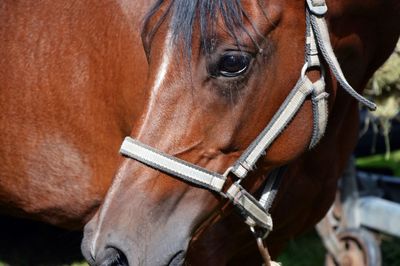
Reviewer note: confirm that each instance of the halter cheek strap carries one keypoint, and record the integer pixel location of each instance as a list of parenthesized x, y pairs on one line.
[(256, 212)]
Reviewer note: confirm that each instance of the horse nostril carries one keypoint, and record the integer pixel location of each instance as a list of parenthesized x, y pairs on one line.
[(178, 259), (112, 257)]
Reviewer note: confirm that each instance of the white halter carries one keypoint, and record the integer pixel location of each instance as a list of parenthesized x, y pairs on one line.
[(256, 212)]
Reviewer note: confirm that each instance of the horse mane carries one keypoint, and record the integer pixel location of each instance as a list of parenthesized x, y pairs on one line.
[(183, 15)]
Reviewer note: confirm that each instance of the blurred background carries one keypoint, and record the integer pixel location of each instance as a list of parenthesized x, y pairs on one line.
[(374, 171)]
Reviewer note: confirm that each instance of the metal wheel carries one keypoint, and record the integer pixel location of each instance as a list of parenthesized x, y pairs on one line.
[(360, 249)]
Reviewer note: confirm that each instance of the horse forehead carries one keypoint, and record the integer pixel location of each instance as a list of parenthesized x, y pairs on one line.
[(259, 19)]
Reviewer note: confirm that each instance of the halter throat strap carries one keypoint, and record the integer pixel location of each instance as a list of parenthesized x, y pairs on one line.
[(256, 212)]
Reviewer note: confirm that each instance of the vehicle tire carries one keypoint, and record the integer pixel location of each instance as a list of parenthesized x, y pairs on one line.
[(361, 249)]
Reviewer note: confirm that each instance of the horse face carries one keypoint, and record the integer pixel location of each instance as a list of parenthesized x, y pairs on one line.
[(210, 95)]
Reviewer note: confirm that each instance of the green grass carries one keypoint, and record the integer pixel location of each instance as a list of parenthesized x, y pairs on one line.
[(306, 250), (390, 251), (82, 263), (378, 161)]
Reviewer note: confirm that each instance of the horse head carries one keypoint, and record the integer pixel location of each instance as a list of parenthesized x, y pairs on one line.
[(219, 72)]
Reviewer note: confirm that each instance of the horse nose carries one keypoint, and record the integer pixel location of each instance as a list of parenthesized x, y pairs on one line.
[(111, 256)]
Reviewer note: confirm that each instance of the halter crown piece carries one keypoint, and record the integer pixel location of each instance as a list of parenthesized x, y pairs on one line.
[(256, 212)]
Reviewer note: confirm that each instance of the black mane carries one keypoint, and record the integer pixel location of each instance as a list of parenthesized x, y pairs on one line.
[(183, 15)]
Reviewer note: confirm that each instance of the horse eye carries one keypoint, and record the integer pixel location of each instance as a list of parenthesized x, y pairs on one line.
[(233, 64)]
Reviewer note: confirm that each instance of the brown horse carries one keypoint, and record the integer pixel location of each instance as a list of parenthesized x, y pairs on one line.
[(218, 72), (69, 73), (73, 85)]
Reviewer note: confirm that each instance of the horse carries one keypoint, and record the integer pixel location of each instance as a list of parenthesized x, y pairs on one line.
[(199, 82), (67, 71), (219, 72)]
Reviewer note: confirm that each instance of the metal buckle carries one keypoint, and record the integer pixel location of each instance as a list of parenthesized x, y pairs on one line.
[(227, 171), (225, 187), (317, 7)]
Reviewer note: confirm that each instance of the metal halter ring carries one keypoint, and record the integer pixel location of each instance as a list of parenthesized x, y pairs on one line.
[(305, 68)]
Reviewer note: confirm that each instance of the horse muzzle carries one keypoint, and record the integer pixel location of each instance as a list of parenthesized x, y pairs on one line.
[(112, 256), (116, 250)]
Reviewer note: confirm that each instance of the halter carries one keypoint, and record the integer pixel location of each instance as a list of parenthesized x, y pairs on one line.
[(256, 212)]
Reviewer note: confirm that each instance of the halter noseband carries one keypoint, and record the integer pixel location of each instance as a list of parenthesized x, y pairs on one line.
[(256, 212)]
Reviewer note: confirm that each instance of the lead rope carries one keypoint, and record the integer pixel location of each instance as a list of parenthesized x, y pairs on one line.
[(262, 248)]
